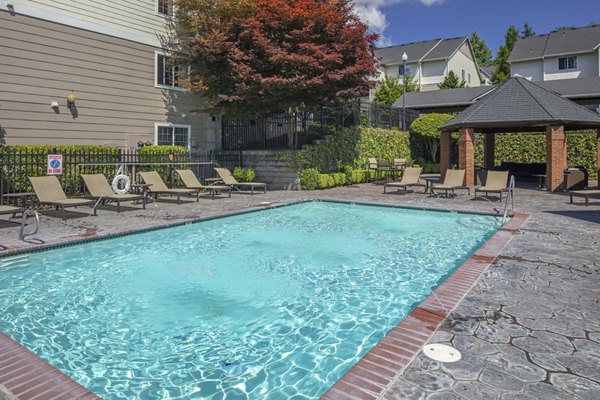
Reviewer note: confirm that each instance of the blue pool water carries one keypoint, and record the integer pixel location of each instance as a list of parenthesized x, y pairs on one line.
[(271, 304)]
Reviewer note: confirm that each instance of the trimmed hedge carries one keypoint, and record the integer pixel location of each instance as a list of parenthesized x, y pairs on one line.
[(21, 161), (311, 179), (531, 148), (351, 147), (162, 154)]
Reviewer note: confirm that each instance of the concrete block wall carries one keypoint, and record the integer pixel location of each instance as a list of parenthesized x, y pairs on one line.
[(271, 169)]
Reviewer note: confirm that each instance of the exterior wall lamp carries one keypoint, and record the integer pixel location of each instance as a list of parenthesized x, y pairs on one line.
[(71, 99)]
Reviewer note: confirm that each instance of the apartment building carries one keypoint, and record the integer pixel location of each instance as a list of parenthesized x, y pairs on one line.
[(95, 72), (430, 61)]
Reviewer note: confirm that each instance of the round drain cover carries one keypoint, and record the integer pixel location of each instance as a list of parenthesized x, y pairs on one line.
[(441, 352)]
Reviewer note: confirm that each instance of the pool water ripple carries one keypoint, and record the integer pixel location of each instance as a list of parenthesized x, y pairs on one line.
[(273, 304)]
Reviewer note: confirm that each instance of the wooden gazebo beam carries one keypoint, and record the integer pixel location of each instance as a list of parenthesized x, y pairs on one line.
[(466, 155)]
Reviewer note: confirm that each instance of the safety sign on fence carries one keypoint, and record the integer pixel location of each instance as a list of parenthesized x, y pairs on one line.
[(55, 164)]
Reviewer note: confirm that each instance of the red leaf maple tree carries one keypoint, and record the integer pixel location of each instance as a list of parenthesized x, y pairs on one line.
[(271, 55)]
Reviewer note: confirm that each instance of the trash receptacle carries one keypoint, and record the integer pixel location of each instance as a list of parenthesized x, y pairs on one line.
[(576, 178)]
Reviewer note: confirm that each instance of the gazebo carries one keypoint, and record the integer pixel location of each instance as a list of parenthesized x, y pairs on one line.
[(518, 105)]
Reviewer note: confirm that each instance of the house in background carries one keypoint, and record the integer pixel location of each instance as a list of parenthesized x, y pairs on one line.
[(111, 55), (429, 62), (562, 54)]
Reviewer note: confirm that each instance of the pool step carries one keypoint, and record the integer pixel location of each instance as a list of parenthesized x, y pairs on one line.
[(20, 260)]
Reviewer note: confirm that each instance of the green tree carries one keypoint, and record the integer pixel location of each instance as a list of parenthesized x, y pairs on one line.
[(389, 91), (483, 54), (427, 127), (502, 71), (410, 85), (527, 31), (452, 81)]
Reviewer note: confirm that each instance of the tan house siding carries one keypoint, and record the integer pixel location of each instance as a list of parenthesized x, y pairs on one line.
[(113, 79), (139, 18), (533, 70)]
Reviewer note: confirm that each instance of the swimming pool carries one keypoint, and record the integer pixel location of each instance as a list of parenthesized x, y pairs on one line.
[(272, 304)]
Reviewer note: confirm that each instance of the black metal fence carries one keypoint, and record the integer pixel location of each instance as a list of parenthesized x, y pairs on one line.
[(16, 165), (291, 130)]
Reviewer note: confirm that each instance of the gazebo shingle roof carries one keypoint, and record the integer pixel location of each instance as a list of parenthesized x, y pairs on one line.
[(521, 105)]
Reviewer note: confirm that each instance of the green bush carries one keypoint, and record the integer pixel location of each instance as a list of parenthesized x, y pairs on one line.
[(326, 181), (21, 161), (244, 174), (309, 179), (425, 129), (352, 146), (525, 147)]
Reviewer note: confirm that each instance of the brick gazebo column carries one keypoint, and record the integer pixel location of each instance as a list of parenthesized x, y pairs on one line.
[(444, 152), (466, 155), (489, 150), (556, 157)]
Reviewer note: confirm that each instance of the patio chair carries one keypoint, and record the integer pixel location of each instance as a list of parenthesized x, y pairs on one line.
[(191, 182), (410, 178), (495, 182), (99, 188), (384, 170), (48, 191), (10, 210), (156, 186), (228, 179), (372, 166), (453, 180), (584, 193)]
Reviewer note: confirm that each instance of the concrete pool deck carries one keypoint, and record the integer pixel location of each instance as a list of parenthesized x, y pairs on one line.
[(528, 329)]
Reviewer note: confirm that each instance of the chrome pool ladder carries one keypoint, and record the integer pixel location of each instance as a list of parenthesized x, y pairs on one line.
[(510, 195), (26, 214)]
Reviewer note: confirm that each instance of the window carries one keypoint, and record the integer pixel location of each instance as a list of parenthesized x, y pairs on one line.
[(469, 76), (173, 135), (463, 74), (401, 70), (165, 7), (567, 63), (169, 74)]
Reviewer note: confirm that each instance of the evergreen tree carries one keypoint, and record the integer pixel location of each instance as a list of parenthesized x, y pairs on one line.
[(452, 81), (391, 89), (527, 31), (502, 71), (483, 54)]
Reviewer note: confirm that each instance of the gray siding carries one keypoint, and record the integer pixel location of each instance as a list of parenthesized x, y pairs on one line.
[(117, 103)]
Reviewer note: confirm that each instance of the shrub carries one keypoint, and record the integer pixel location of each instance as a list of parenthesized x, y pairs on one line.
[(309, 179), (326, 181), (426, 127), (244, 174), (21, 161)]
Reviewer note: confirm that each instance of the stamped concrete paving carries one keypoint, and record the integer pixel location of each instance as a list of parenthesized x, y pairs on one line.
[(530, 329)]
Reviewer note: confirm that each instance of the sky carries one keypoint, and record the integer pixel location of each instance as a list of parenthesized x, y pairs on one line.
[(406, 21)]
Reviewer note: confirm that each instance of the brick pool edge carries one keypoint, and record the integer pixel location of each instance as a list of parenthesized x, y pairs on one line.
[(372, 375)]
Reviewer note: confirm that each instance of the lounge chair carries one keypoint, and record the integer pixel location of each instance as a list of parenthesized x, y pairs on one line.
[(453, 180), (191, 182), (410, 178), (157, 186), (48, 191), (495, 182), (10, 210), (99, 188), (584, 193), (228, 179)]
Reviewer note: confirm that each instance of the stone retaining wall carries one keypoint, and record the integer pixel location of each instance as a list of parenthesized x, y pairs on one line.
[(270, 168)]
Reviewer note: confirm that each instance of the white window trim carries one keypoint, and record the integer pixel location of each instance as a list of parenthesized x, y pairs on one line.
[(169, 125), (156, 85), (158, 13)]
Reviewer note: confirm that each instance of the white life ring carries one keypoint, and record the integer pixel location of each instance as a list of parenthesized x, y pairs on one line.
[(121, 179)]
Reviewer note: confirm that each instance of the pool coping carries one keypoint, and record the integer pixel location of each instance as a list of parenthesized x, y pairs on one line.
[(373, 375), (369, 378)]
